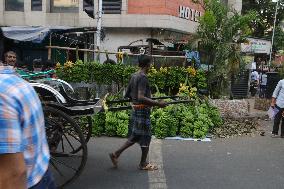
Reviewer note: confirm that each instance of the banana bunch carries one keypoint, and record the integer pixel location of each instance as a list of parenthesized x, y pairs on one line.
[(104, 104), (166, 125), (119, 56), (68, 64), (191, 71)]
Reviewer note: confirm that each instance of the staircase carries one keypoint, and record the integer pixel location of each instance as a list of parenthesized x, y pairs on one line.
[(240, 85)]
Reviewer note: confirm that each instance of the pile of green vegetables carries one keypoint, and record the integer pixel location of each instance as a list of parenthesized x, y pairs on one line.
[(185, 120)]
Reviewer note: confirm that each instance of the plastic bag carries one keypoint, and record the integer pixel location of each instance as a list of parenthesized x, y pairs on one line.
[(272, 112)]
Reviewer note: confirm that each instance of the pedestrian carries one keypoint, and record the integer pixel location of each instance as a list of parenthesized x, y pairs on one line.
[(138, 91), (277, 103), (255, 76), (254, 84), (24, 153), (263, 82)]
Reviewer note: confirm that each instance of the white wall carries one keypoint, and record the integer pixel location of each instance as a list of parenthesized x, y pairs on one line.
[(1, 11), (122, 37)]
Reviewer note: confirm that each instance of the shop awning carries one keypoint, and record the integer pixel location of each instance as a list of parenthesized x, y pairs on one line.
[(30, 33)]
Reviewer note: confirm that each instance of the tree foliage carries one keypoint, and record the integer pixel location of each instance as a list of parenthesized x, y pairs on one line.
[(279, 39), (219, 32), (266, 12)]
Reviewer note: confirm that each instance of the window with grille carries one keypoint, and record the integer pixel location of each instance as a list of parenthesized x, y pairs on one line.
[(112, 6), (36, 5), (14, 5)]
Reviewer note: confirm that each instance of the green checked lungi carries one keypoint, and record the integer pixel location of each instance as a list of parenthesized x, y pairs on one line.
[(140, 127)]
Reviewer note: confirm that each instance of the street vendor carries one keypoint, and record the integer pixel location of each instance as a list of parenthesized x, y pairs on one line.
[(138, 91), (10, 58)]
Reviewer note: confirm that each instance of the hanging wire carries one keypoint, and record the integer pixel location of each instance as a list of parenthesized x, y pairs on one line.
[(73, 40)]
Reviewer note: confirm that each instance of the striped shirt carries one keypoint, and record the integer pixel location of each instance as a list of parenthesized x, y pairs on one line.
[(22, 124)]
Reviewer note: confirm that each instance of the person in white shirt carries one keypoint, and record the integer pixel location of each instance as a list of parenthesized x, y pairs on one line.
[(278, 102), (254, 83), (263, 83), (255, 76)]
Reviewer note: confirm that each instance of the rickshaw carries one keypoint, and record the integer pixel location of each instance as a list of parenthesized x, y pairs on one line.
[(67, 134)]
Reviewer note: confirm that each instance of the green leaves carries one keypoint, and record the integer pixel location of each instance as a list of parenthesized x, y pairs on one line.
[(208, 21), (265, 10), (200, 80), (98, 121), (185, 120), (111, 123), (167, 79), (186, 124), (165, 125), (116, 123), (95, 72), (279, 39), (220, 31)]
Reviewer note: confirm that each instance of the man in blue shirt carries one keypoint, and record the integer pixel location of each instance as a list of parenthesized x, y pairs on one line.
[(24, 153)]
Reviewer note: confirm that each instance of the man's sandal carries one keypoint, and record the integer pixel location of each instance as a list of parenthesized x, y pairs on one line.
[(148, 167), (113, 159)]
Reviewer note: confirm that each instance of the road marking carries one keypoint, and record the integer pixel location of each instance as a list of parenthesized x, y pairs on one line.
[(157, 179)]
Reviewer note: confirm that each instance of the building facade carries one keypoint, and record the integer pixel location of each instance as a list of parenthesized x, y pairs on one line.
[(124, 21)]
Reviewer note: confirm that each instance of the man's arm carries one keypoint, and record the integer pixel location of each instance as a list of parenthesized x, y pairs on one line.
[(12, 171)]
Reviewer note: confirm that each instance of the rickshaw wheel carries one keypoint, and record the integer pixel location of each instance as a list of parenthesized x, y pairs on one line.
[(67, 146)]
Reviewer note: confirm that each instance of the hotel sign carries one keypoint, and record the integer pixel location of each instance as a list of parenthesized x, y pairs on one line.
[(189, 14)]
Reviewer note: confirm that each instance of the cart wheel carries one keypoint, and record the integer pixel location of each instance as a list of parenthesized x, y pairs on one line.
[(64, 137)]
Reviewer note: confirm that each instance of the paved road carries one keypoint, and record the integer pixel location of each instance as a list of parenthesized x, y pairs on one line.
[(237, 163)]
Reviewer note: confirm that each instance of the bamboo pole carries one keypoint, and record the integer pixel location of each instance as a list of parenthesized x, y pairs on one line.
[(49, 49), (98, 51)]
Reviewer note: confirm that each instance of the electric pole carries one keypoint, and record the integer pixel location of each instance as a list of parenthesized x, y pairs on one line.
[(273, 33), (99, 29)]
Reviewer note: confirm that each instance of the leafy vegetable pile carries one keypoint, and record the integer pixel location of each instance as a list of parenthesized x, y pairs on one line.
[(184, 120)]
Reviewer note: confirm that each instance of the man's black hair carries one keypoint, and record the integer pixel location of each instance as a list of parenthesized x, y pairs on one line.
[(10, 52), (144, 61)]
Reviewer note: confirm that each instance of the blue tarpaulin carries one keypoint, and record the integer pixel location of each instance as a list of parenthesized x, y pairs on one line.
[(29, 33), (193, 55)]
